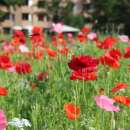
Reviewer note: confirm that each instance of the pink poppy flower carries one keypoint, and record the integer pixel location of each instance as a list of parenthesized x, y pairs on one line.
[(70, 35), (12, 69), (57, 27), (124, 38), (8, 47), (3, 121), (106, 103), (92, 36)]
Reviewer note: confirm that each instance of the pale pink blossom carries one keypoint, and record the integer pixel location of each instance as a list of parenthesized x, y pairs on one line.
[(12, 69), (8, 47), (57, 27), (3, 121), (124, 38), (106, 103), (70, 35), (92, 36)]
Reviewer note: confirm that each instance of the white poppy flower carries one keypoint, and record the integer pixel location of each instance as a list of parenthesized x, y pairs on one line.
[(19, 123), (23, 49)]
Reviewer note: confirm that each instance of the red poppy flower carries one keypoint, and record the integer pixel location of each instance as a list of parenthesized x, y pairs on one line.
[(23, 68), (72, 111), (111, 59), (81, 37), (19, 35), (127, 52), (115, 53), (118, 87), (37, 35), (3, 91), (83, 75), (108, 43), (42, 75), (123, 100), (108, 60), (85, 30), (51, 52), (5, 62), (83, 62)]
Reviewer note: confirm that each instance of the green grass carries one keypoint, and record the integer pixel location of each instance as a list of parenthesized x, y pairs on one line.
[(44, 108)]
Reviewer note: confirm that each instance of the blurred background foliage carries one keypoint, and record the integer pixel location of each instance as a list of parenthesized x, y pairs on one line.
[(102, 14)]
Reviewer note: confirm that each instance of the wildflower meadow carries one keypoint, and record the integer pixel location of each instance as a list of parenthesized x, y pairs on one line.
[(64, 81)]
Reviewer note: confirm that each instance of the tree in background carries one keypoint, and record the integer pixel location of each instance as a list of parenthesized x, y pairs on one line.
[(112, 12)]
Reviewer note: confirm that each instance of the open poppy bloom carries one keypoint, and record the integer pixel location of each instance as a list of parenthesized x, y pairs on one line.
[(118, 87), (3, 91), (19, 35), (5, 62), (83, 62), (23, 68), (37, 35), (108, 43), (84, 68), (111, 58), (3, 121), (72, 111), (85, 30), (122, 99), (106, 103)]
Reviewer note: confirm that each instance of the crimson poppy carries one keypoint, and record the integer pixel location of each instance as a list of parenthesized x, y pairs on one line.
[(18, 34), (83, 62), (111, 58), (23, 68), (5, 62), (107, 43)]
